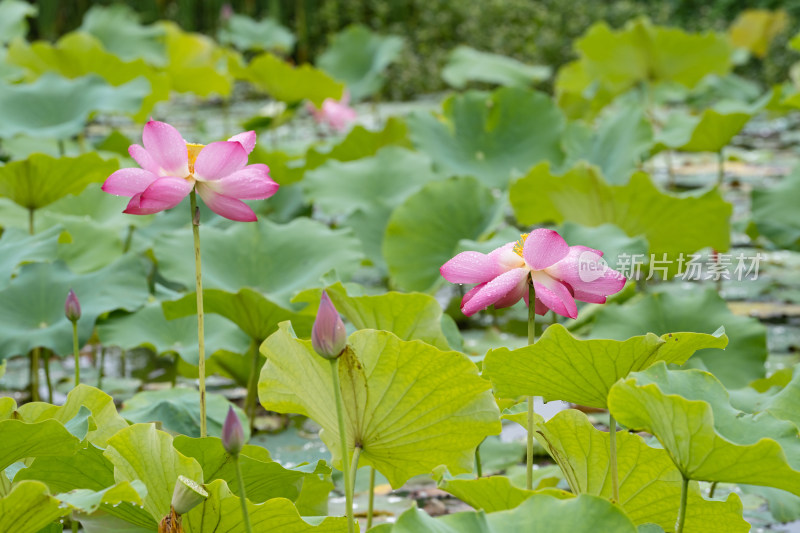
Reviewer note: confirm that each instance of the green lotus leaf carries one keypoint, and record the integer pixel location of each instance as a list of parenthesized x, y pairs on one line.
[(465, 64), (401, 435), (178, 410), (22, 439), (671, 224), (279, 259), (142, 452), (775, 212), (13, 19), (88, 501), (32, 306), (697, 310), (41, 180), (290, 84), (246, 34), (606, 237), (577, 92), (410, 316), (118, 28), (196, 64), (359, 58), (650, 485), (560, 367), (79, 54), (707, 439), (222, 513), (491, 136), (28, 508), (148, 327), (86, 468), (755, 29), (490, 494), (81, 424), (18, 247), (255, 314), (424, 231), (53, 106), (541, 513), (620, 142)]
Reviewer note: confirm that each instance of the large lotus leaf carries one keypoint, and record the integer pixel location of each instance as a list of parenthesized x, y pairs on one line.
[(672, 224), (410, 316), (707, 439), (255, 314), (117, 27), (541, 513), (465, 64), (560, 367), (755, 29), (196, 64), (104, 413), (490, 493), (178, 410), (775, 212), (276, 259), (290, 84), (246, 34), (621, 141), (142, 452), (491, 136), (41, 180), (13, 19), (424, 231), (22, 439), (222, 513), (79, 54), (695, 310), (32, 306), (650, 485), (88, 501), (148, 327), (401, 409), (58, 107), (28, 508), (17, 246), (577, 93), (358, 57)]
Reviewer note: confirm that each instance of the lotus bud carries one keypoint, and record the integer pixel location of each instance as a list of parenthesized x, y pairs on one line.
[(328, 336), (187, 495), (232, 433), (72, 307)]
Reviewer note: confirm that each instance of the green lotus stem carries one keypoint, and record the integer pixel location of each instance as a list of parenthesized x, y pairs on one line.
[(122, 365), (34, 372), (46, 364), (252, 384), (30, 221), (371, 505), (242, 495), (712, 489), (348, 488), (354, 470), (682, 509), (76, 352), (75, 526), (102, 367), (478, 465), (612, 456), (128, 239), (531, 341), (201, 349), (720, 168)]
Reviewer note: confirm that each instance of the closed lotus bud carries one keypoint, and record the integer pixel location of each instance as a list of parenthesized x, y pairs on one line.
[(72, 307), (232, 433), (328, 336), (187, 495)]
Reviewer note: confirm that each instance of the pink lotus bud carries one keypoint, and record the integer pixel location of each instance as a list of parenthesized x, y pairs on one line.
[(72, 307), (328, 336), (232, 433), (226, 12)]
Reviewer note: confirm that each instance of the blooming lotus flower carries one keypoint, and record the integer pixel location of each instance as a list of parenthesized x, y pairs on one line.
[(336, 114), (172, 168), (560, 274), (328, 335)]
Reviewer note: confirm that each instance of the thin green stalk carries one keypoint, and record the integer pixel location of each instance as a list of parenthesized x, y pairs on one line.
[(354, 470), (77, 352), (128, 239), (34, 371), (711, 490), (75, 526), (720, 168), (682, 509), (531, 340), (200, 325), (46, 362), (371, 505), (348, 488), (612, 454), (31, 230), (242, 495), (252, 383), (478, 465), (175, 362), (123, 367), (102, 368)]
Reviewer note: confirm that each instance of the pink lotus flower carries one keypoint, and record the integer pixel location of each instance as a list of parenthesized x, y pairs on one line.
[(560, 273), (336, 114), (172, 168)]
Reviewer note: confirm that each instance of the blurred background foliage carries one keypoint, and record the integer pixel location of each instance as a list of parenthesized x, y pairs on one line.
[(533, 31)]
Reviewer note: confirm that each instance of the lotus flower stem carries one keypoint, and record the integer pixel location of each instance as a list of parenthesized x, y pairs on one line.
[(478, 465), (682, 509), (34, 372), (371, 496), (531, 340), (348, 488), (612, 457), (77, 352), (31, 229), (201, 349), (252, 384), (242, 495)]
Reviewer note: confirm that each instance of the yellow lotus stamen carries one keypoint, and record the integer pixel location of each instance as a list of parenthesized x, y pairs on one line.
[(520, 244), (194, 150)]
